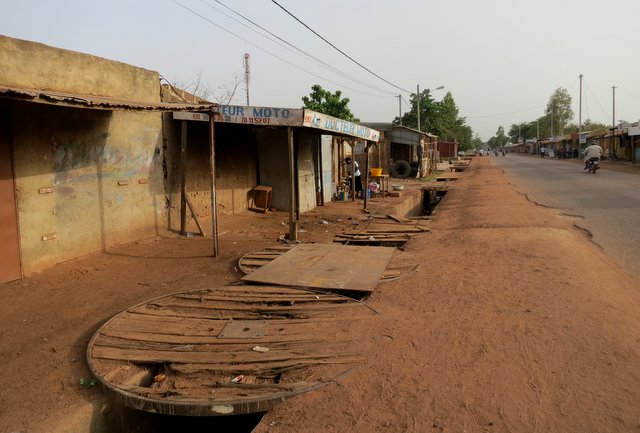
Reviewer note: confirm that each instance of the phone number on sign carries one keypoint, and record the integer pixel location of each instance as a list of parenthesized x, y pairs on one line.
[(257, 120)]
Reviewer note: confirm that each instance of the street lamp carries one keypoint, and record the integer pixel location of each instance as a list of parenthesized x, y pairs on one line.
[(418, 101)]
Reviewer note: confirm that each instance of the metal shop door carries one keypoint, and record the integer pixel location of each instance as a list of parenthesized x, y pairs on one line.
[(9, 242)]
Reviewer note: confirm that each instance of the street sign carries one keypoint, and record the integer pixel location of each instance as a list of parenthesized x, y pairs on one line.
[(186, 115)]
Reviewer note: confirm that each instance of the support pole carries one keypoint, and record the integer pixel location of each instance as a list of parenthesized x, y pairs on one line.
[(365, 191), (580, 121), (214, 205), (353, 173), (293, 229), (418, 104), (183, 177)]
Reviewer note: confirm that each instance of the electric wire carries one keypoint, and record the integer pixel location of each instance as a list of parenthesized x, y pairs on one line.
[(597, 99), (338, 49), (268, 52), (287, 45)]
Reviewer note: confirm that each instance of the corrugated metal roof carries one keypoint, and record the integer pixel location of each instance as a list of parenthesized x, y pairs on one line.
[(96, 102)]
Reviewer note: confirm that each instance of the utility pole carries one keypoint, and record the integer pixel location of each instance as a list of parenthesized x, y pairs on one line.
[(613, 125), (580, 120), (400, 108), (418, 104), (520, 133)]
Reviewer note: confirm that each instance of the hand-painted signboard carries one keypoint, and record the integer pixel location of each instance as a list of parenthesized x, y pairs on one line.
[(317, 120), (186, 115), (259, 115)]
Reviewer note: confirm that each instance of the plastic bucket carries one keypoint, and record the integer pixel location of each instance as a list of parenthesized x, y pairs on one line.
[(375, 172), (344, 195)]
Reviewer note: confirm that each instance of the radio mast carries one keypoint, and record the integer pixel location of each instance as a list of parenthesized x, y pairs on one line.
[(247, 75)]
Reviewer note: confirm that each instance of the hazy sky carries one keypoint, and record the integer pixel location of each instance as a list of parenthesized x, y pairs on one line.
[(500, 59)]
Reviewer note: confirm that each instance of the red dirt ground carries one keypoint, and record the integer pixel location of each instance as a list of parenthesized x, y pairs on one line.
[(514, 322)]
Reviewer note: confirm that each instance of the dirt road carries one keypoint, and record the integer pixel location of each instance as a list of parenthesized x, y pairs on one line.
[(514, 322)]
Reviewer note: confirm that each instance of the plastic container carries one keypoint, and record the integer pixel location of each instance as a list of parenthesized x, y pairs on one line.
[(375, 172), (344, 195)]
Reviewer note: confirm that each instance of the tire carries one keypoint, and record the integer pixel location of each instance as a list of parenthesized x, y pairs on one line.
[(401, 169)]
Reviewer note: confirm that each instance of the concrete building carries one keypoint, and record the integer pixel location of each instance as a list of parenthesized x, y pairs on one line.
[(82, 150), (96, 153)]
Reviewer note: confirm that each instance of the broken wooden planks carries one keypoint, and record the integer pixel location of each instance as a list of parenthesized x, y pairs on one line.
[(224, 351), (257, 259)]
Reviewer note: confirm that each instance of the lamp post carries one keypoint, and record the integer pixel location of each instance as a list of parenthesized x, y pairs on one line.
[(418, 101)]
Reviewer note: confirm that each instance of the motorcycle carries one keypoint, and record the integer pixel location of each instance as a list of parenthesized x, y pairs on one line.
[(594, 165)]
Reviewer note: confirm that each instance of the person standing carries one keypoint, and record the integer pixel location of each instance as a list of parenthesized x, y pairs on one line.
[(356, 179)]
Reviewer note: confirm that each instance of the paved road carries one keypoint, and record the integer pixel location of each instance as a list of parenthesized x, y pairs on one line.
[(607, 204)]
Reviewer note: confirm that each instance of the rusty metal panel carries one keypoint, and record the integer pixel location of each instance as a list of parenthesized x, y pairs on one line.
[(9, 242), (326, 266), (96, 102)]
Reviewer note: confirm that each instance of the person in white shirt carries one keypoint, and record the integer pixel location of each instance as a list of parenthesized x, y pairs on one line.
[(356, 174), (592, 151)]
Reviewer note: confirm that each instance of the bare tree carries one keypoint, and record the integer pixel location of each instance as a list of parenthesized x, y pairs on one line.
[(223, 94)]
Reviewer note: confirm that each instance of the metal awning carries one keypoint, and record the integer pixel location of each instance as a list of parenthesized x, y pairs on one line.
[(78, 100)]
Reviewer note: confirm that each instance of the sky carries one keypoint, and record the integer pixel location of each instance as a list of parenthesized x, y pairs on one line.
[(500, 59)]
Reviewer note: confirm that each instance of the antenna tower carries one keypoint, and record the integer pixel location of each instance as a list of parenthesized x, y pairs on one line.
[(247, 75)]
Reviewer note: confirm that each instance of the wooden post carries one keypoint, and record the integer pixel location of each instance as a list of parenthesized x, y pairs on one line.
[(366, 174), (320, 167), (293, 229), (183, 178), (214, 205), (353, 191)]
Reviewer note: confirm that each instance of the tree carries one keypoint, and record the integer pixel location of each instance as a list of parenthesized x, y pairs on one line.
[(223, 95), (477, 142), (438, 118), (521, 132), (587, 125), (428, 113), (559, 110), (498, 140), (323, 101)]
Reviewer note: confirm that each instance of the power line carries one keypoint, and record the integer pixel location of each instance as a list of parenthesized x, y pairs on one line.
[(290, 46), (339, 50), (268, 52)]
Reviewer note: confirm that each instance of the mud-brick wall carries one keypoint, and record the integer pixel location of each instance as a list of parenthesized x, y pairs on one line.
[(236, 173), (85, 179), (273, 164), (33, 65)]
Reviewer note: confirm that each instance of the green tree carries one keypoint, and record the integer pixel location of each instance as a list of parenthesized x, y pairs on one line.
[(559, 111), (428, 113), (333, 104), (521, 132), (477, 142), (587, 125), (498, 140), (439, 118)]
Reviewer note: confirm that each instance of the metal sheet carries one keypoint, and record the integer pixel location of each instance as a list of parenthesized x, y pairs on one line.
[(267, 116), (96, 102), (313, 119), (330, 266), (244, 329)]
